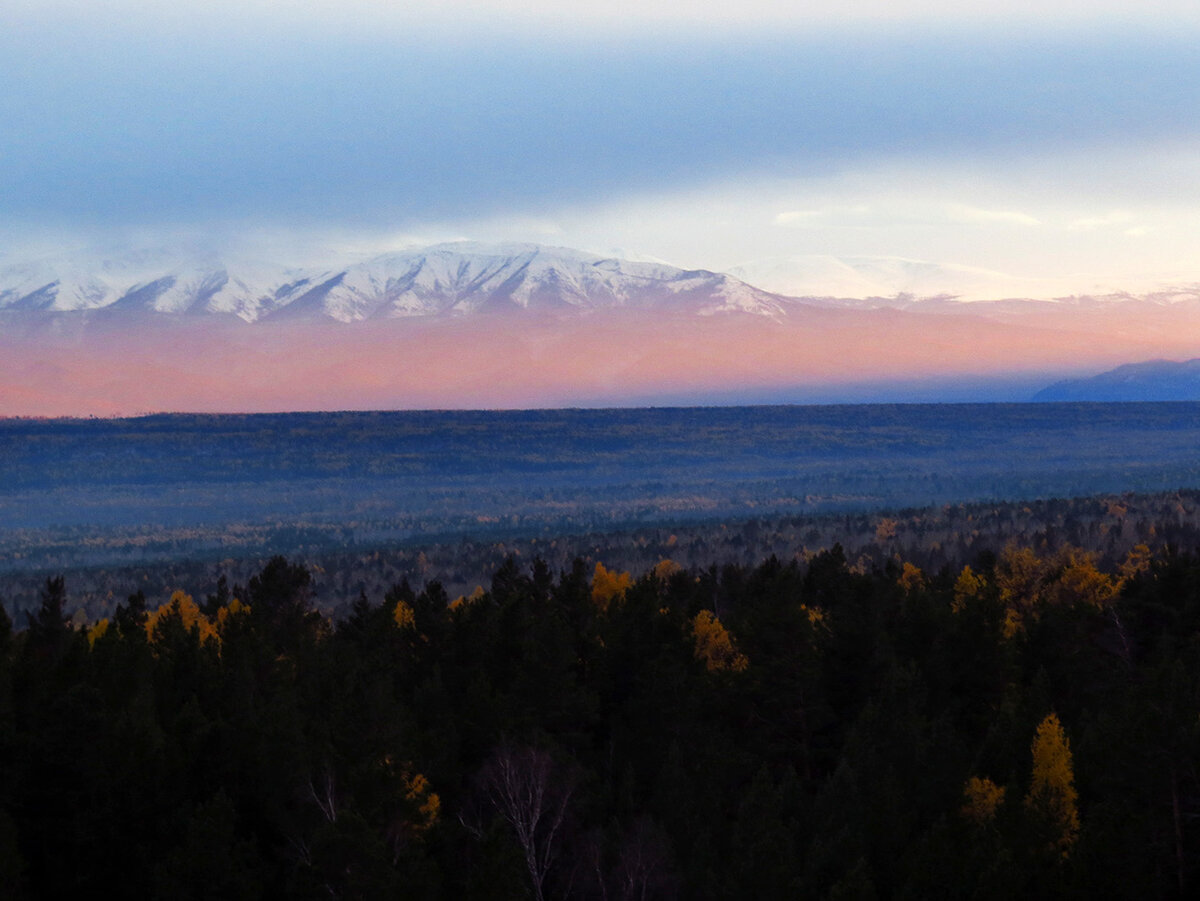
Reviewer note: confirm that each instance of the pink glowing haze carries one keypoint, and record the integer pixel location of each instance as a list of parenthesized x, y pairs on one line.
[(868, 150), (606, 358)]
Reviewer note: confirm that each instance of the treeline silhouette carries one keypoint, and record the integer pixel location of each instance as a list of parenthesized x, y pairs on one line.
[(1025, 725), (930, 537)]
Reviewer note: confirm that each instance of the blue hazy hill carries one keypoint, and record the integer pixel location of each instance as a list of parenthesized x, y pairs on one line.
[(1156, 380)]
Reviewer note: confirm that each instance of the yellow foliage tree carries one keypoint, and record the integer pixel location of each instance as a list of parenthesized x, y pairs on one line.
[(715, 646), (608, 584), (816, 615), (1052, 794), (230, 610), (1068, 578), (404, 616), (429, 805), (981, 799), (463, 599), (1138, 561), (966, 587), (189, 613), (911, 578), (97, 631), (665, 568), (1079, 581), (1018, 576), (192, 617)]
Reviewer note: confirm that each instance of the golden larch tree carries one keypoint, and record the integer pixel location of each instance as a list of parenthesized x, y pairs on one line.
[(966, 587), (1052, 796), (403, 616), (981, 799), (189, 613), (608, 584), (911, 578), (714, 644)]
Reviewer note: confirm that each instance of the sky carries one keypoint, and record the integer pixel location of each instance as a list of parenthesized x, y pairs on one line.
[(1039, 139)]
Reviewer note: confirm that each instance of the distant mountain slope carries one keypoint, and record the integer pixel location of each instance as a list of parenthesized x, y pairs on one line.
[(443, 280), (1157, 380), (873, 277), (897, 281)]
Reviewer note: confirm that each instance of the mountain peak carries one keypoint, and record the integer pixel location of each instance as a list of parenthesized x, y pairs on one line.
[(456, 278)]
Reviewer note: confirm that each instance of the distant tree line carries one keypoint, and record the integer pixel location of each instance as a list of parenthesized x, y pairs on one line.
[(931, 537)]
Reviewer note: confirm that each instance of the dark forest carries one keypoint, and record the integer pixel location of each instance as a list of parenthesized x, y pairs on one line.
[(1022, 724)]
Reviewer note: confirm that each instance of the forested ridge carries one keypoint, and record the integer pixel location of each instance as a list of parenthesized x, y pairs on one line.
[(1023, 725)]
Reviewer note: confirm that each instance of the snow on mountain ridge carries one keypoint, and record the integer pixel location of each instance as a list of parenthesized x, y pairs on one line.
[(462, 278), (445, 279)]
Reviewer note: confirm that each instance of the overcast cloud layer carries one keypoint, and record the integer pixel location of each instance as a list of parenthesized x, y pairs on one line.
[(909, 129)]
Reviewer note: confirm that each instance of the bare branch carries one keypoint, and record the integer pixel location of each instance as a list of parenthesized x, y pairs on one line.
[(529, 792), (326, 798)]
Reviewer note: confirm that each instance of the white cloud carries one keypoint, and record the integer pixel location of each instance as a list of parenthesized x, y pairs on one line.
[(910, 208), (978, 216), (798, 217), (1077, 215), (833, 215), (1107, 220), (1056, 202)]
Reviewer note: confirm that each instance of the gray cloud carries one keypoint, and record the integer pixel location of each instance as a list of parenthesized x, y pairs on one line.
[(141, 128)]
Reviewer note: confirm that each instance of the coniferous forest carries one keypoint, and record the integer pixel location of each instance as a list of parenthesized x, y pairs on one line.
[(1024, 724), (644, 450)]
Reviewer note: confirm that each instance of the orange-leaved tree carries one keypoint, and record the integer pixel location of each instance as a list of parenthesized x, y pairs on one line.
[(715, 646), (608, 584), (981, 799)]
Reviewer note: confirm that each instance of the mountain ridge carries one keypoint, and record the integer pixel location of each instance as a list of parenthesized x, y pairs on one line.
[(439, 280), (1153, 380), (464, 277)]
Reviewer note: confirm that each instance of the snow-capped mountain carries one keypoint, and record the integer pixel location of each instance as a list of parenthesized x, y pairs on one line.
[(462, 278), (484, 326), (443, 280)]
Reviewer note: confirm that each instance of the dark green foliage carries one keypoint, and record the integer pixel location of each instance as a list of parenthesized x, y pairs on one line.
[(130, 618), (48, 631), (294, 756), (212, 861)]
